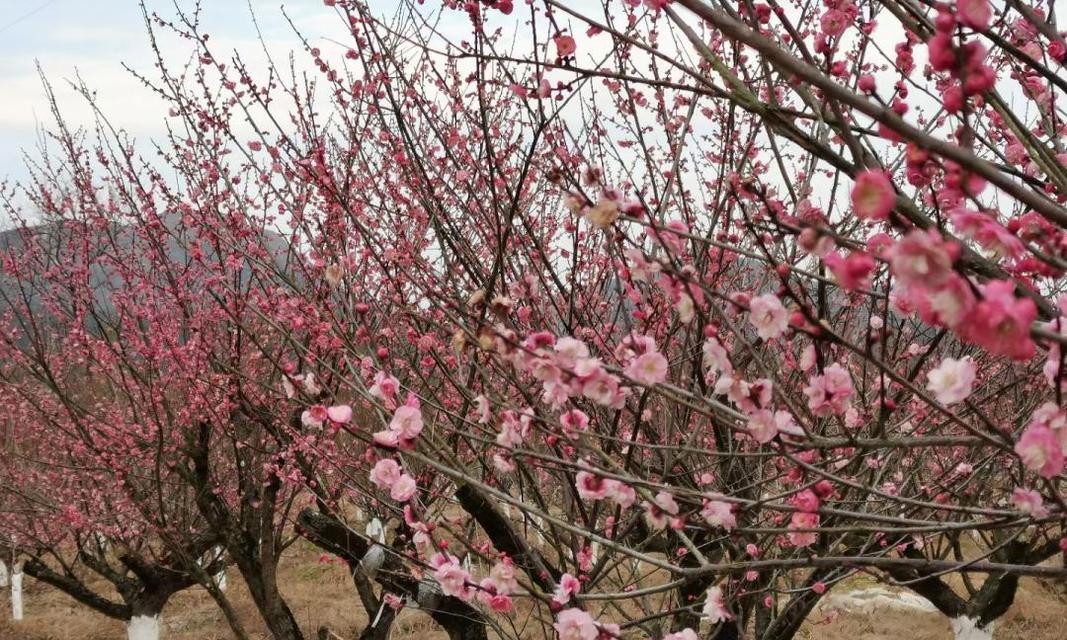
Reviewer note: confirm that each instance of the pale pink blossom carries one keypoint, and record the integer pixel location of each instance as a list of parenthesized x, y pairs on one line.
[(763, 425), (658, 511), (1029, 502), (923, 259), (715, 357), (575, 624), (715, 610), (648, 369), (621, 494), (830, 392), (803, 520), (341, 414), (591, 486), (952, 381), (573, 422), (385, 473), (873, 197), (568, 586), (1040, 450), (403, 489), (481, 404), (385, 388), (719, 514), (974, 13), (406, 422), (451, 576), (503, 577), (768, 316)]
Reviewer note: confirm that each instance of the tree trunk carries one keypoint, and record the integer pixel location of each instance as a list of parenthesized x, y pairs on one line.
[(262, 586), (380, 624), (3, 574), (146, 611), (460, 620)]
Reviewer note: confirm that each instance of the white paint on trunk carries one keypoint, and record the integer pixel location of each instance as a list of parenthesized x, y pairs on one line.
[(220, 577), (373, 560), (143, 628), (16, 594), (376, 530), (378, 617), (3, 574), (964, 628), (539, 525)]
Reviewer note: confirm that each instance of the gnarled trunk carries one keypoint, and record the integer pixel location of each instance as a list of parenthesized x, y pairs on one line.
[(263, 587)]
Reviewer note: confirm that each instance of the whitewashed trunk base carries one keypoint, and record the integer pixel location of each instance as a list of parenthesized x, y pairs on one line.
[(3, 574), (964, 628), (143, 628), (16, 595)]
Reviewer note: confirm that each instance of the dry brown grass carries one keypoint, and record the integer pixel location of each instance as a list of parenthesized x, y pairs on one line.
[(322, 594)]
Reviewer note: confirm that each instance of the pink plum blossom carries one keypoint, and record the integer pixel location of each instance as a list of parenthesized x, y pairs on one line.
[(715, 610), (1029, 502), (648, 369), (830, 392), (873, 197), (952, 380), (575, 624), (1040, 450), (719, 514), (768, 316)]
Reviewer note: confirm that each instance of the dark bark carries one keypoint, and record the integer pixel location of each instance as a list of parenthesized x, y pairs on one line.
[(379, 624), (460, 620), (506, 539), (993, 599), (381, 630), (248, 533), (934, 589), (260, 576), (75, 589), (726, 631)]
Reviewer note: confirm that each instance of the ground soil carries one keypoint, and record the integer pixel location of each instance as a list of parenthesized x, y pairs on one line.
[(321, 594)]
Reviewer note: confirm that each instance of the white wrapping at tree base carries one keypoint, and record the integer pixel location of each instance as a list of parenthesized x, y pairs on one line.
[(964, 628), (376, 531), (16, 592), (220, 577), (143, 628)]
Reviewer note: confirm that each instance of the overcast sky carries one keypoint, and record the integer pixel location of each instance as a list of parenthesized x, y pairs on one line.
[(94, 38)]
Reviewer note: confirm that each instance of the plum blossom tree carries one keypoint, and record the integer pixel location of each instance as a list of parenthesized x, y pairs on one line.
[(650, 319)]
